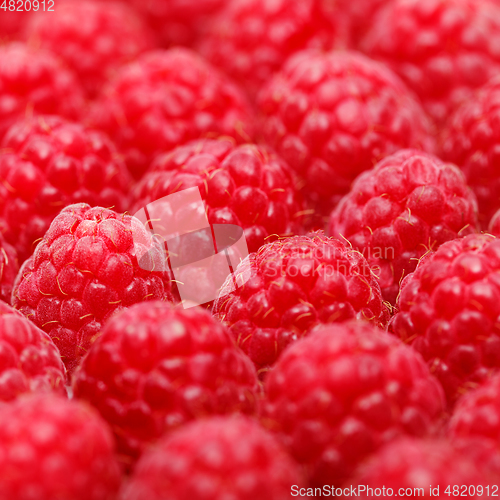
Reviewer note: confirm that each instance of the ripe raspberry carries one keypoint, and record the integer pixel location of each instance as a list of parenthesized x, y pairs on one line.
[(55, 448), (294, 284), (12, 24), (33, 80), (49, 163), (337, 395), (9, 266), (249, 186), (443, 49), (29, 360), (470, 141), (333, 115), (85, 268), (166, 98), (420, 465), (93, 38), (251, 38), (448, 310), (408, 205), (210, 452), (155, 368)]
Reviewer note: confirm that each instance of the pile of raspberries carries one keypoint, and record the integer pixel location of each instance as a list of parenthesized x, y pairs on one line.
[(249, 249)]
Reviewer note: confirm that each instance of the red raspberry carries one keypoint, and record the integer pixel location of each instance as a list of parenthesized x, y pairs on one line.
[(221, 457), (55, 448), (443, 49), (419, 465), (494, 226), (337, 395), (448, 310), (155, 368), (250, 39), (33, 80), (333, 115), (49, 163), (294, 284), (9, 266), (249, 186), (12, 23), (408, 205), (85, 268), (93, 38), (29, 360), (477, 413), (471, 142), (166, 98)]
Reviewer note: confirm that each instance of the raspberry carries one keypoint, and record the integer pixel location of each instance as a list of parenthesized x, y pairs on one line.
[(250, 39), (85, 268), (494, 226), (408, 205), (12, 24), (249, 186), (55, 448), (448, 310), (442, 49), (420, 465), (333, 115), (155, 368), (33, 80), (166, 98), (29, 360), (470, 141), (294, 284), (337, 395), (93, 38), (198, 460), (47, 164), (9, 266)]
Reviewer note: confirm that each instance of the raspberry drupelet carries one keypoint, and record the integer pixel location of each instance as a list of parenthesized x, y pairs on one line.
[(91, 262), (293, 284), (9, 266), (166, 98), (471, 140), (448, 310), (407, 205), (249, 186), (337, 395), (442, 49), (55, 448), (93, 38), (250, 39), (48, 163), (332, 115), (154, 368), (29, 360), (36, 81), (221, 457)]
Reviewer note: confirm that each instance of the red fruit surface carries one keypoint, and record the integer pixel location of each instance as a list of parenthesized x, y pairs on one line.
[(12, 24), (47, 164), (250, 39), (420, 465), (448, 311), (406, 206), (337, 395), (471, 141), (9, 266), (220, 457), (53, 448), (155, 368), (90, 263), (93, 38), (29, 360), (442, 49), (249, 186), (166, 98), (494, 225), (293, 284), (332, 115), (35, 81)]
